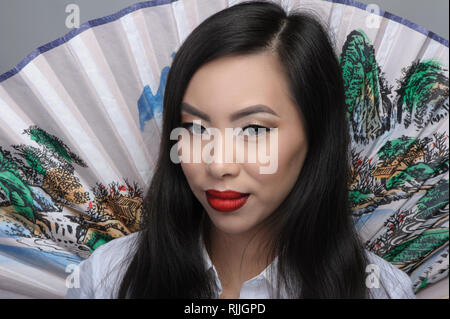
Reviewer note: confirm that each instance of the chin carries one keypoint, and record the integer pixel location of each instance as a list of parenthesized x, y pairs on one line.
[(229, 224)]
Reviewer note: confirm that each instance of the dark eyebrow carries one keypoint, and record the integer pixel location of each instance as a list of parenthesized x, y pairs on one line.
[(192, 110), (258, 108)]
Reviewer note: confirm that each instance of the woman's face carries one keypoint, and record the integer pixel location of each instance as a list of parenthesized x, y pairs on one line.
[(216, 94)]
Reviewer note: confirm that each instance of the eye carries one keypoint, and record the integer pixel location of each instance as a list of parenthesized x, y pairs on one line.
[(195, 128), (254, 130)]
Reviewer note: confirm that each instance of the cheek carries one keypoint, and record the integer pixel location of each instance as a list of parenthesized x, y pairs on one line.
[(193, 173), (291, 155)]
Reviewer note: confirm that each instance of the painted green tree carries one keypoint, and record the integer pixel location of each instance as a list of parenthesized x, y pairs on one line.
[(433, 201), (423, 84), (14, 187)]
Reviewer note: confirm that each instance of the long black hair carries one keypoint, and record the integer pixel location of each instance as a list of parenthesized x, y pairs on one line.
[(319, 252)]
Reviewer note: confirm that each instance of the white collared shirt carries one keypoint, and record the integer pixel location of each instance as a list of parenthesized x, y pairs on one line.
[(100, 275), (258, 287)]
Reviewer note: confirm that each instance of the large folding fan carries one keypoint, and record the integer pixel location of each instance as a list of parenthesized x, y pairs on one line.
[(80, 123)]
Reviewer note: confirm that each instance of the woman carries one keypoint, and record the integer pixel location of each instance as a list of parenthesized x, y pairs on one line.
[(223, 229)]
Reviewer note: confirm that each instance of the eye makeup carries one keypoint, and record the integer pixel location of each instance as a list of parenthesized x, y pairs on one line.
[(253, 129)]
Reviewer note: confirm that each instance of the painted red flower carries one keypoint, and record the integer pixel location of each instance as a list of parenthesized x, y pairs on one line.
[(90, 205), (122, 188)]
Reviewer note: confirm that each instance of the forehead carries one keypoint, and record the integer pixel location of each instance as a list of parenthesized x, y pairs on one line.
[(226, 84)]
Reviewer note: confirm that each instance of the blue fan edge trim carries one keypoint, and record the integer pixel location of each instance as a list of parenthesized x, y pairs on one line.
[(85, 26), (146, 4)]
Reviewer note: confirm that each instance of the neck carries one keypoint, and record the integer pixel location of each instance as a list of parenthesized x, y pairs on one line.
[(238, 257)]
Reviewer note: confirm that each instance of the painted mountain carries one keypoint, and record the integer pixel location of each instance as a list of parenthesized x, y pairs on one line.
[(400, 157)]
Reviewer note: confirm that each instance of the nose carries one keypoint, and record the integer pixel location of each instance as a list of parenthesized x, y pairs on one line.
[(221, 167), (221, 170)]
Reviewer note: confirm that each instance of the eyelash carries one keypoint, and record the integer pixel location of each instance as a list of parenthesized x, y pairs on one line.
[(260, 128)]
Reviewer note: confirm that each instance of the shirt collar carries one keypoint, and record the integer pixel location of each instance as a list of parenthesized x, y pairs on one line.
[(269, 273)]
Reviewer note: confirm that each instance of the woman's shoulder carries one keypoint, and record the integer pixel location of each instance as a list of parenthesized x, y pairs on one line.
[(384, 280), (100, 274)]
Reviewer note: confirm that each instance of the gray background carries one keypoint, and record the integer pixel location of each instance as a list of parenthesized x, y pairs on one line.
[(27, 24)]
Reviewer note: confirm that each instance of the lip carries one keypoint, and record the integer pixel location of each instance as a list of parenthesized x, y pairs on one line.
[(226, 201)]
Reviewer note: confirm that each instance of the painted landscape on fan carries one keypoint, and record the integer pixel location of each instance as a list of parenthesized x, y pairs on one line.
[(53, 216), (399, 190)]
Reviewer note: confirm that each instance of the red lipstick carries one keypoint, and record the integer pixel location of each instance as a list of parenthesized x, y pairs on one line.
[(226, 201)]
